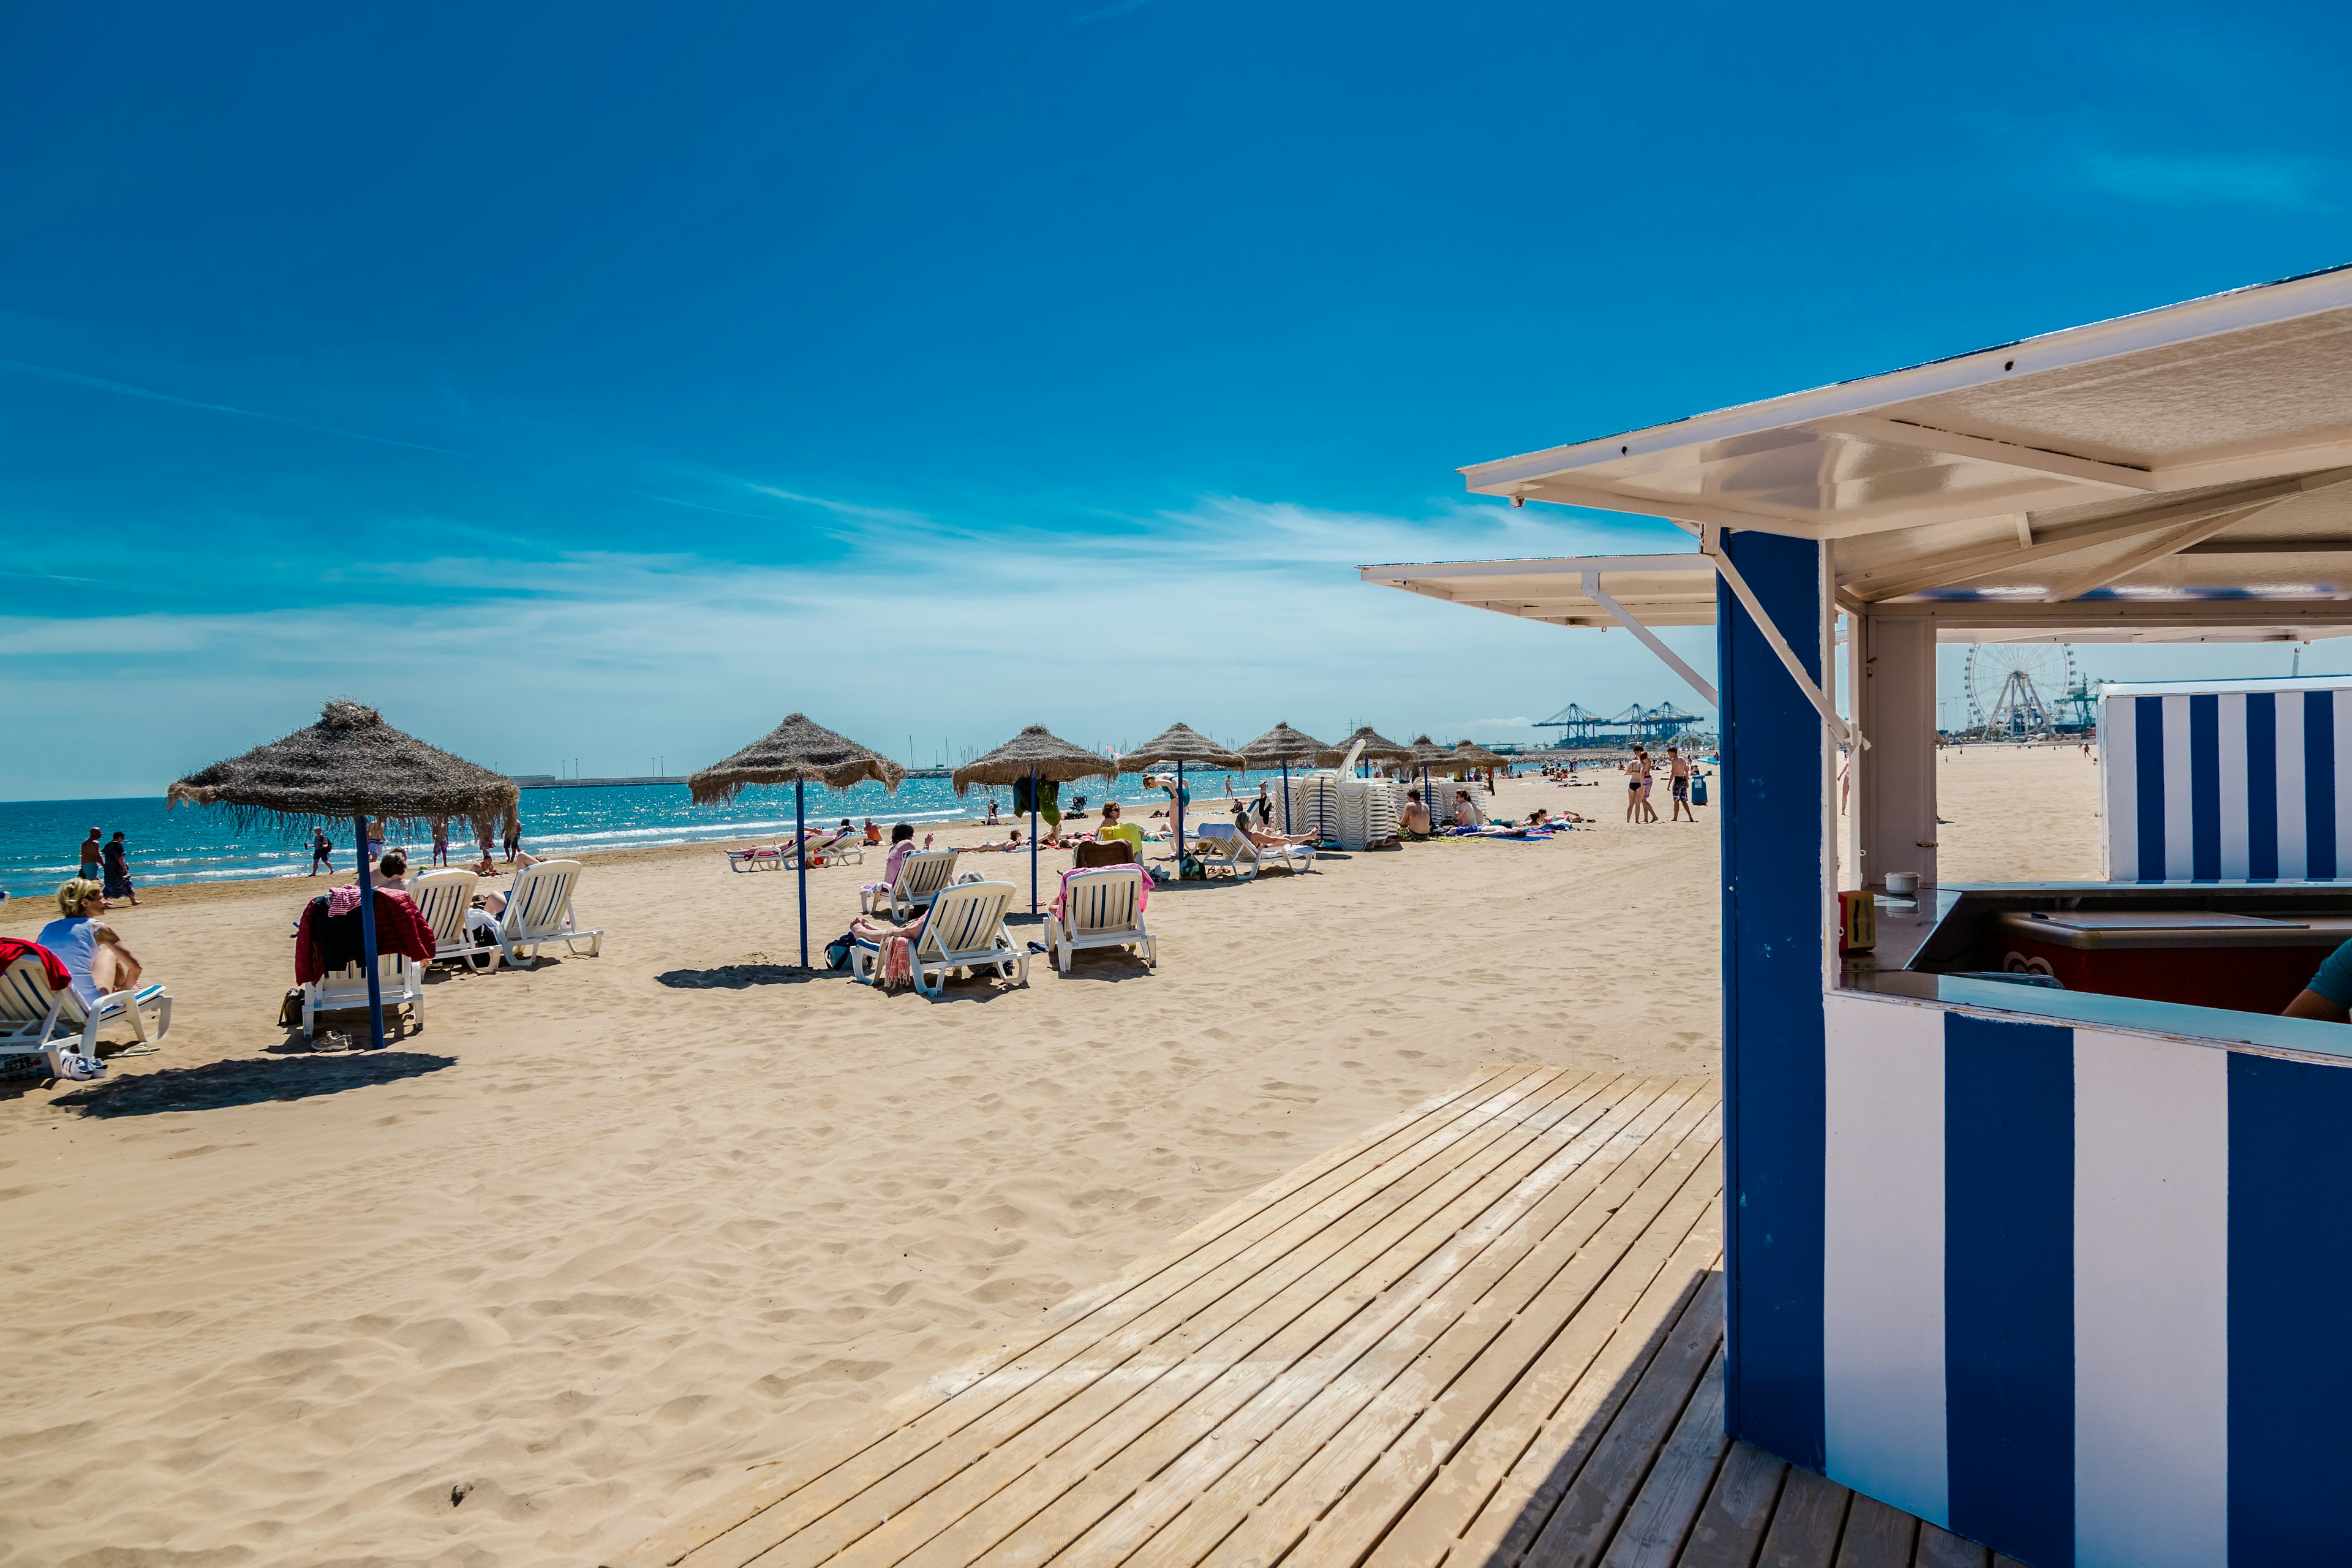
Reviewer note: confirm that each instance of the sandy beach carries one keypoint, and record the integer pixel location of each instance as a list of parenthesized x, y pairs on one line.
[(601, 1234)]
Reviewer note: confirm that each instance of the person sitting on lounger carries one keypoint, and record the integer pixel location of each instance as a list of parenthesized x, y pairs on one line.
[(92, 951), (902, 844), (1416, 815), (1264, 838)]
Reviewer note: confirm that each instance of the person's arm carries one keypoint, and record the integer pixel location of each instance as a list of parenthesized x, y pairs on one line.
[(113, 939), (2328, 998)]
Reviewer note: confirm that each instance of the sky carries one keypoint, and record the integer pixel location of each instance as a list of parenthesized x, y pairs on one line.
[(596, 384)]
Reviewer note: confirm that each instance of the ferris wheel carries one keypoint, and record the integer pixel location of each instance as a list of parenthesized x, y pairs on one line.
[(2015, 688)]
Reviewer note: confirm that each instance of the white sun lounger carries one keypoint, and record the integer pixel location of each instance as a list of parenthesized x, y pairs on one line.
[(399, 977), (964, 929), (1218, 848), (922, 875), (838, 851), (53, 1025), (1103, 907), (759, 857), (538, 914), (443, 898)]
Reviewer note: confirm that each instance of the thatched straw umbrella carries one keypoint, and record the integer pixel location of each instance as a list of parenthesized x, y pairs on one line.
[(1471, 755), (1427, 754), (1379, 750), (1281, 746), (1179, 744), (794, 752), (352, 764), (1040, 756)]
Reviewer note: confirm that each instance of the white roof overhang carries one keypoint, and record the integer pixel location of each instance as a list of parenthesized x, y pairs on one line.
[(2171, 469)]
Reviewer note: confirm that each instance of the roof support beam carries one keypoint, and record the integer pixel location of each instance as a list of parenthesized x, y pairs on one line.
[(1951, 444), (1901, 577), (1847, 732), (1649, 639), (2148, 555)]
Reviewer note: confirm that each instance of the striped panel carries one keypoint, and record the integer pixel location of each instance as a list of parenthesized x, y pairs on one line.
[(2151, 1302), (24, 991), (2233, 785), (2009, 1319), (2290, 1269), (1883, 1256)]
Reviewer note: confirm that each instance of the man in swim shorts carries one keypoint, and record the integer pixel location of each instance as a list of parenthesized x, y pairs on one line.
[(1679, 765)]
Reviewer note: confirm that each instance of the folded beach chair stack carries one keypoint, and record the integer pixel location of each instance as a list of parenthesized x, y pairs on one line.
[(52, 1024), (1369, 813), (1314, 805)]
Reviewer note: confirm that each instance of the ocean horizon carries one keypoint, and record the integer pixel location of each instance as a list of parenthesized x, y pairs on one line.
[(39, 841)]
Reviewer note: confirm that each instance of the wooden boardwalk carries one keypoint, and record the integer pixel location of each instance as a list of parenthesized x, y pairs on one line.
[(1487, 1333)]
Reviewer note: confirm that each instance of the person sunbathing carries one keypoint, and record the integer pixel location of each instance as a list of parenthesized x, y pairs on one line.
[(1008, 846), (1264, 837)]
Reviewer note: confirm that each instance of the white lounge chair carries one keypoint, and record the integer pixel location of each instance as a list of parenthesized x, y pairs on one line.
[(443, 898), (759, 857), (538, 914), (964, 929), (839, 850), (1101, 907), (399, 977), (54, 1024), (922, 875), (1218, 848)]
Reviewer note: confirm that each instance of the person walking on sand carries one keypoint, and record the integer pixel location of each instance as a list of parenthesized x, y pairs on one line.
[(322, 852), (93, 858), (440, 844), (1649, 779), (118, 871), (1679, 785), (514, 840), (1635, 770)]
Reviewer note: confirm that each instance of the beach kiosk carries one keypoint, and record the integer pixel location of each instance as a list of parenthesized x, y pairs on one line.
[(2060, 1268)]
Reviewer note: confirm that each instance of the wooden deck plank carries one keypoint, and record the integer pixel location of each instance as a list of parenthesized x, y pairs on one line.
[(1579, 1530), (1508, 1474), (1877, 1536), (1176, 1482), (1289, 1260), (1296, 1467), (1166, 1291), (1729, 1529), (1939, 1548), (1668, 1503), (1071, 1489), (1192, 1252), (1449, 1393), (1015, 1483), (1806, 1526)]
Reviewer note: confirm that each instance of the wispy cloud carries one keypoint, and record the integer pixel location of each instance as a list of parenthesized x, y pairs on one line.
[(148, 394)]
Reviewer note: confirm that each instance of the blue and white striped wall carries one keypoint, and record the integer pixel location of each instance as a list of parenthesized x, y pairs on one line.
[(2083, 1293), (2227, 780)]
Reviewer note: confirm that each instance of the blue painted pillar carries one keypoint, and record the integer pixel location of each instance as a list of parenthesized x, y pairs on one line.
[(1773, 1068)]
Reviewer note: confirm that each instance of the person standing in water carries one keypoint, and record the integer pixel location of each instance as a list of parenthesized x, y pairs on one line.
[(118, 871)]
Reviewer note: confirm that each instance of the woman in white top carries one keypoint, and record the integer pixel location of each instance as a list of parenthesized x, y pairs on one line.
[(91, 951)]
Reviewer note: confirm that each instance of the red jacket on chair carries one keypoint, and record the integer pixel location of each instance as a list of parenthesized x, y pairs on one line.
[(330, 942)]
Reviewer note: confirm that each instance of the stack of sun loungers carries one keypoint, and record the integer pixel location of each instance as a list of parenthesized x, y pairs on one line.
[(1314, 805), (1368, 812)]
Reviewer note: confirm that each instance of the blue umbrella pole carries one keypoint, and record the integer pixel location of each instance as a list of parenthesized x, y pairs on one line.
[(367, 934), (1180, 818), (1285, 796), (800, 857), (1032, 841)]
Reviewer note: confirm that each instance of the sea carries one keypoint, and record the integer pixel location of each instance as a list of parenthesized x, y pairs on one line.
[(40, 839)]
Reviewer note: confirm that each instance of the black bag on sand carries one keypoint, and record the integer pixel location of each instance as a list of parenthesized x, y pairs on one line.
[(289, 1011), (836, 951)]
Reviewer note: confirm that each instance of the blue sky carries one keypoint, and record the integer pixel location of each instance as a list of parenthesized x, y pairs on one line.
[(597, 382)]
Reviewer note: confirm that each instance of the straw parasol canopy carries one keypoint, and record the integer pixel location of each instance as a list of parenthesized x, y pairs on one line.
[(1470, 755), (1179, 744), (1283, 746), (1428, 753), (1036, 752), (352, 763), (799, 750), (1379, 750)]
